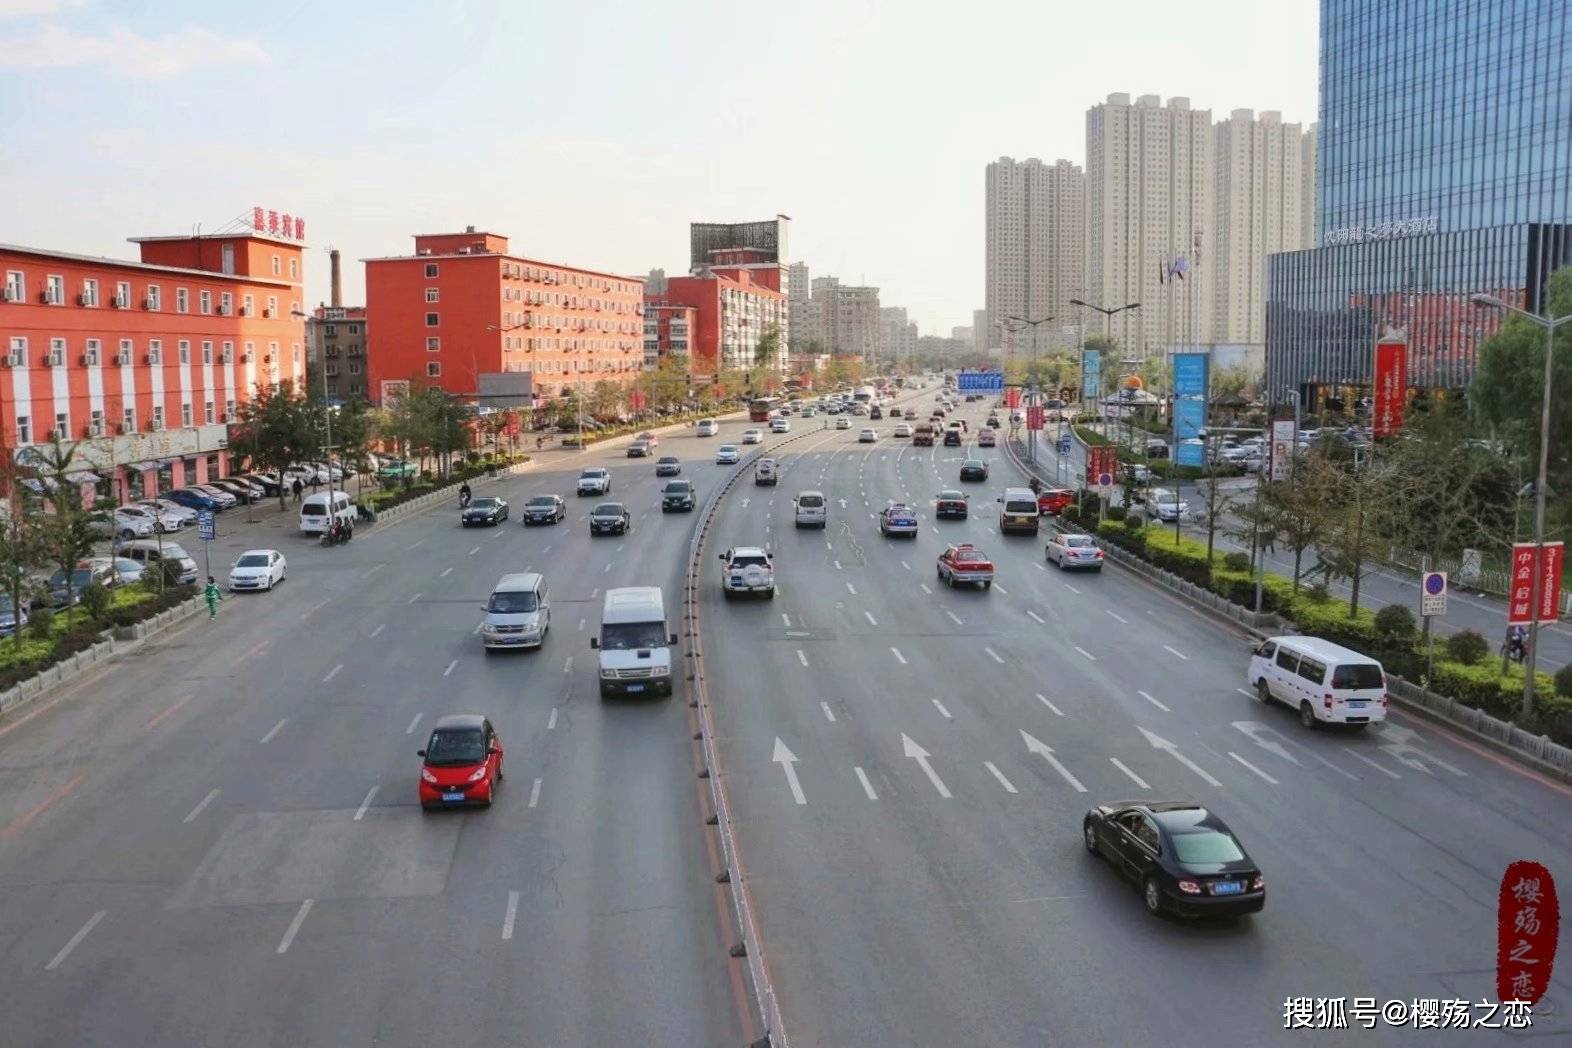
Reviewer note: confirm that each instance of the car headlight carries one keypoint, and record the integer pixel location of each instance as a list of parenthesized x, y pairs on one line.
[(607, 674), (425, 774), (478, 774)]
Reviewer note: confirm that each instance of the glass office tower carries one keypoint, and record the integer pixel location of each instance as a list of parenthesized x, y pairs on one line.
[(1444, 168)]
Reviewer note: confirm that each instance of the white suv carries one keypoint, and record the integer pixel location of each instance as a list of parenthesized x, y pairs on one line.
[(811, 511), (595, 481), (780, 425), (748, 569)]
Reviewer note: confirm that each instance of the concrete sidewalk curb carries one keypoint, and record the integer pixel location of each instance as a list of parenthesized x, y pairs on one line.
[(116, 642)]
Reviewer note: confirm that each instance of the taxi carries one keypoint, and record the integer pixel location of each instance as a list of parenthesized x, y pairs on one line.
[(965, 563), (898, 519)]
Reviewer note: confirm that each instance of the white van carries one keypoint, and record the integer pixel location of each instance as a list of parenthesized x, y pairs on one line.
[(707, 427), (1327, 683), (317, 510), (1019, 511), (635, 643), (149, 552), (518, 615), (811, 511)]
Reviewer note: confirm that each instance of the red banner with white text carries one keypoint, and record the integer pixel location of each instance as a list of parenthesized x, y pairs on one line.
[(1521, 596), (1391, 386)]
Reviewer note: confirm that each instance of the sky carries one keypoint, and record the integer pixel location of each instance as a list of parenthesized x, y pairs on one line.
[(593, 133)]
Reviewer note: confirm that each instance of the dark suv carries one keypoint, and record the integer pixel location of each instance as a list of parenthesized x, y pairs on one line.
[(677, 496)]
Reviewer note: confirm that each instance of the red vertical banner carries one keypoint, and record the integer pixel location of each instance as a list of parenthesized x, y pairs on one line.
[(1550, 581), (1012, 398), (1528, 916), (1034, 417), (1094, 462), (1391, 386), (1520, 596)]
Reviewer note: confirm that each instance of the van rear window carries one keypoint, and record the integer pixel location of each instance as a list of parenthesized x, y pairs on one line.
[(1358, 676), (1016, 506), (312, 511)]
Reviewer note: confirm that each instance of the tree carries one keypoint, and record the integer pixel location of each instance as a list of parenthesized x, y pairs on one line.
[(1234, 380), (22, 550), (664, 385), (767, 353), (66, 535), (354, 428), (1351, 538), (605, 399), (277, 429), (1215, 500)]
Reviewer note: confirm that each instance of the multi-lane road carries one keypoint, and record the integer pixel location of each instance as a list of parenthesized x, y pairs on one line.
[(217, 840)]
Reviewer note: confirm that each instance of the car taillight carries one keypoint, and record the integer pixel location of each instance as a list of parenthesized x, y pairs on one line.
[(1326, 701), (1257, 883), (1099, 554), (425, 773), (1190, 887)]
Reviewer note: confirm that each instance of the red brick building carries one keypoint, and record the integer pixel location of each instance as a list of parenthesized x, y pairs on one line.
[(668, 331), (142, 364), (463, 306), (730, 313)]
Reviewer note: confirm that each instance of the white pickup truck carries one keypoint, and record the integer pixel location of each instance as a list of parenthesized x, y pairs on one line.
[(749, 569)]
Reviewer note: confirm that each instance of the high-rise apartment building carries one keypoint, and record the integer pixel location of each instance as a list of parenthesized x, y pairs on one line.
[(980, 330), (897, 335), (848, 317), (1307, 152), (1149, 199), (1035, 228), (800, 320), (1259, 180), (717, 319)]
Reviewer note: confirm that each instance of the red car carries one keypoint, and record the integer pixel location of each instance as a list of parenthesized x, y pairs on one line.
[(463, 763), (1052, 501), (965, 563)]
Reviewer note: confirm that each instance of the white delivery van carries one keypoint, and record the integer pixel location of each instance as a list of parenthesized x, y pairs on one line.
[(635, 644), (1327, 683), (319, 509), (149, 552)]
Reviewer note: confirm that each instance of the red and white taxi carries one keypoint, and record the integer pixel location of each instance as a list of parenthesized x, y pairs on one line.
[(965, 563)]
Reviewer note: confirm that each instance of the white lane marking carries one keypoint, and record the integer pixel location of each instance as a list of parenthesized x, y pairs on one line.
[(380, 627), (1154, 702), (871, 620), (415, 544), (548, 548), (829, 714), (276, 729), (75, 940), (534, 794), (445, 573), (905, 565), (827, 545), (898, 656), (1160, 743), (788, 762), (933, 529), (474, 551), (1008, 786), (1088, 654), (954, 617), (1072, 589), (1117, 617), (801, 657), (1246, 694), (581, 625), (1180, 654), (413, 599), (360, 812), (594, 593), (1360, 756), (1036, 616), (1000, 589), (411, 729), (1037, 746), (451, 667), (567, 664), (376, 568), (478, 625), (1044, 700), (837, 565), (851, 589), (294, 926), (605, 569), (911, 749), (334, 672), (551, 722), (619, 547), (212, 795), (1038, 566), (1253, 768), (940, 707), (925, 588), (1117, 763), (508, 917), (786, 620), (994, 655)]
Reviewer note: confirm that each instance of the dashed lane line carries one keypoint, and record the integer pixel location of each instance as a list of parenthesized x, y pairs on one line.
[(1117, 763), (1045, 701), (1036, 616), (942, 711), (1154, 702), (829, 714), (212, 795), (534, 794), (802, 658), (411, 729), (1088, 654), (75, 940), (1175, 652), (510, 915), (276, 729), (1009, 787), (360, 812), (294, 926)]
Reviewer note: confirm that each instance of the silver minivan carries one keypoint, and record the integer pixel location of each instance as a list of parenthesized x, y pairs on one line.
[(518, 615), (149, 552)]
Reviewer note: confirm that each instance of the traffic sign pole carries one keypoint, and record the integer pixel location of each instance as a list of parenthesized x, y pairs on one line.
[(207, 531)]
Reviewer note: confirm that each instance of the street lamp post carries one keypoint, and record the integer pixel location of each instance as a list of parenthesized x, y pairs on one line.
[(1108, 315), (1550, 324), (1031, 389)]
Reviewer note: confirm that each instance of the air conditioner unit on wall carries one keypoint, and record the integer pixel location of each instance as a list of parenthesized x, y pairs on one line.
[(149, 303), (84, 299), (8, 294), (155, 357), (94, 429), (13, 360), (54, 360), (225, 357), (123, 357), (120, 302), (155, 425)]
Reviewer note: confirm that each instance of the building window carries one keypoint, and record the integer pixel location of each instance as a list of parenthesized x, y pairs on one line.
[(185, 351), (432, 320), (433, 344), (431, 294), (126, 348), (229, 411), (62, 426), (18, 352), (89, 292), (433, 369), (24, 430), (226, 303), (158, 416), (330, 330), (431, 269), (185, 416), (294, 268), (15, 285), (204, 302), (278, 266), (95, 424), (123, 294), (155, 297), (90, 356), (272, 305), (207, 412), (354, 329), (247, 305), (182, 300), (354, 367), (54, 289), (128, 420), (207, 352)]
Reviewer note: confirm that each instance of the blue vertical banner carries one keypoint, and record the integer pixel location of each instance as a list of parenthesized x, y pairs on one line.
[(1192, 379), (1091, 374)]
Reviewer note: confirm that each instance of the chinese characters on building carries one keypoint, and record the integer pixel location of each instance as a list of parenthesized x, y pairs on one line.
[(279, 224)]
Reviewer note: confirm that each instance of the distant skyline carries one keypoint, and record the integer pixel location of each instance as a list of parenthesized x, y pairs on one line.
[(593, 134)]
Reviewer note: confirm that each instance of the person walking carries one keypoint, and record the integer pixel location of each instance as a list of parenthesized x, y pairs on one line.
[(212, 595), (297, 488)]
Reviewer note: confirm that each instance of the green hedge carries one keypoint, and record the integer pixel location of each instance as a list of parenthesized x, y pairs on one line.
[(127, 605)]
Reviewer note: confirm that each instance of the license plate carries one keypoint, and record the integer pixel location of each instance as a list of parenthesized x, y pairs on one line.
[(453, 796), (635, 687), (1357, 704), (1226, 888)]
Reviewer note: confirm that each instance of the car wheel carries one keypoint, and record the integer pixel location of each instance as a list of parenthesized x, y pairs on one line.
[(491, 793), (1152, 894), (1263, 692), (987, 583), (769, 594), (1307, 715), (1089, 835)]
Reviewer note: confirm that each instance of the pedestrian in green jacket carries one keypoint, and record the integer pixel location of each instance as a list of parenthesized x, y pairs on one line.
[(212, 596)]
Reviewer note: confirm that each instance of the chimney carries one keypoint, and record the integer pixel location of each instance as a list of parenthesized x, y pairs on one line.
[(338, 284)]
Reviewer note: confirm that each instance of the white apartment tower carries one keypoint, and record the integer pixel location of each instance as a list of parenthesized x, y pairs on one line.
[(799, 306), (1149, 199), (1035, 236), (847, 317), (1260, 183)]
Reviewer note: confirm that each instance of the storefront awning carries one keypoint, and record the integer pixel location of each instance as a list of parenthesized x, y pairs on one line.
[(84, 476), (39, 484), (170, 460), (143, 467)]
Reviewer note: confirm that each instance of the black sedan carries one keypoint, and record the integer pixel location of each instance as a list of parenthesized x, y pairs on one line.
[(486, 510), (974, 469), (667, 466), (610, 518), (545, 509), (951, 505), (1184, 859)]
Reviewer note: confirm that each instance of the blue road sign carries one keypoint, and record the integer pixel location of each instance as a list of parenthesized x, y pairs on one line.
[(979, 382), (1064, 445), (207, 525)]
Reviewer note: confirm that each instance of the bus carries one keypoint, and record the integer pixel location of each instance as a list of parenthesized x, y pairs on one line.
[(761, 408), (864, 394)]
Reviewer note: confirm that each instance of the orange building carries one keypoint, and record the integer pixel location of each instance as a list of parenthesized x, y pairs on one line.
[(141, 365), (462, 307)]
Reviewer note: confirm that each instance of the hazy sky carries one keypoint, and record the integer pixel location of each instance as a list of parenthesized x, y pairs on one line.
[(593, 133)]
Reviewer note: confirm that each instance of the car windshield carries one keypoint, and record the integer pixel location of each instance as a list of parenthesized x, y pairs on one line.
[(810, 501), (728, 449), (1206, 846), (252, 560), (608, 509), (506, 602), (628, 636), (1078, 541), (456, 746), (315, 509), (668, 460), (1358, 675), (543, 502), (592, 474), (485, 503), (79, 578)]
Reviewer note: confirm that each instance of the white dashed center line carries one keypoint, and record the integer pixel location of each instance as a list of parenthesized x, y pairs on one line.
[(1117, 617), (507, 918), (942, 711), (360, 812), (75, 940), (871, 620), (1044, 700), (276, 729), (380, 627), (867, 787), (445, 573), (411, 729), (451, 667), (334, 672), (1180, 654), (534, 794), (1153, 701), (1088, 654), (994, 655), (829, 715), (1008, 787), (954, 617), (294, 926), (898, 656), (212, 795), (801, 657), (1036, 616), (851, 589)]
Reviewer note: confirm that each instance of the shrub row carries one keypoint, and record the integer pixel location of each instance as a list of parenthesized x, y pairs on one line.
[(50, 637)]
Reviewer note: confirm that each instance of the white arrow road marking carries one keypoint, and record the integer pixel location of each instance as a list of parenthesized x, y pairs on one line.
[(1044, 700), (1117, 617), (940, 707), (1180, 654), (1041, 621), (1088, 654), (1117, 763), (788, 762), (551, 722), (1154, 702), (994, 655), (1253, 768), (842, 502), (829, 715), (898, 656), (360, 812), (1261, 735), (1037, 746), (920, 755), (871, 620), (276, 729), (1360, 756), (212, 795), (954, 617), (294, 926), (1399, 742), (801, 657), (507, 918), (75, 940), (534, 794), (1160, 743), (1008, 786), (411, 729)]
